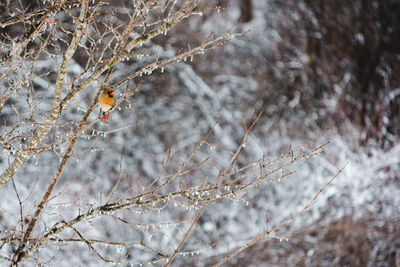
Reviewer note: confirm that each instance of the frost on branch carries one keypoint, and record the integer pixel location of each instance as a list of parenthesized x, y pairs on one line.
[(146, 188)]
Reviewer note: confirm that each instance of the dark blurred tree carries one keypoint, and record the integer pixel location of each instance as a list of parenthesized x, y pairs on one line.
[(246, 13), (354, 45)]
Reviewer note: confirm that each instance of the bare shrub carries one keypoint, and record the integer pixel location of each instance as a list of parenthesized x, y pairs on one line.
[(56, 59)]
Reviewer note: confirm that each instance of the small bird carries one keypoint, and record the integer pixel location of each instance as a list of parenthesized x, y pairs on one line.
[(107, 102)]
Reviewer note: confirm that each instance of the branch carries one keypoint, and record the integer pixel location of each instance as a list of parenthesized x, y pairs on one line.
[(289, 219), (53, 116)]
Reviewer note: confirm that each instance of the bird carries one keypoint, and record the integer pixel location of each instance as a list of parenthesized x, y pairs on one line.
[(107, 102)]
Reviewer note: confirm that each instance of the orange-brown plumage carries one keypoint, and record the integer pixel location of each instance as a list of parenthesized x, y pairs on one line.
[(107, 101)]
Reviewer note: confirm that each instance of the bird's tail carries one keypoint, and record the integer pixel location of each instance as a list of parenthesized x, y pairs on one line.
[(104, 116)]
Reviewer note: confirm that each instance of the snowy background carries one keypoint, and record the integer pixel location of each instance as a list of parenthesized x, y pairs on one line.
[(286, 66)]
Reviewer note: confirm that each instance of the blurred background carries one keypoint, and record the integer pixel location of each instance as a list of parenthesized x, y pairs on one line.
[(316, 65), (308, 66)]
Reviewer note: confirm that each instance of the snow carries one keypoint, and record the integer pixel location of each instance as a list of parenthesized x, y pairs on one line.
[(176, 108)]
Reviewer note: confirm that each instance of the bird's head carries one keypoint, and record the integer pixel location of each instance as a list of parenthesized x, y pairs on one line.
[(110, 92)]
